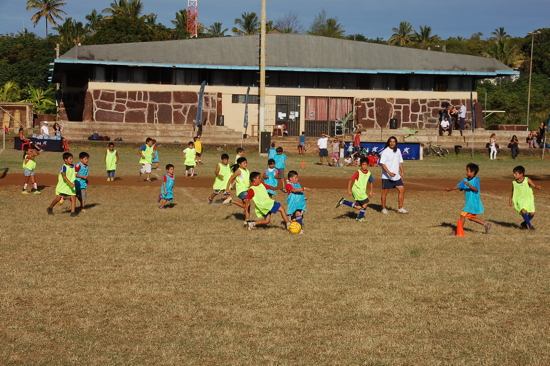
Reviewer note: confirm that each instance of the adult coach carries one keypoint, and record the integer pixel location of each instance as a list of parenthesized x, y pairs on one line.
[(391, 162), (322, 144)]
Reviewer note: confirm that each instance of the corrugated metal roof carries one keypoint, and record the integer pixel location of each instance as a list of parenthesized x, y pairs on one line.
[(287, 52)]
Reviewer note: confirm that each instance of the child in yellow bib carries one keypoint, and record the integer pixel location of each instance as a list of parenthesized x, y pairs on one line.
[(65, 185), (241, 179), (111, 161), (222, 173), (29, 165), (146, 158), (264, 205), (189, 156), (357, 187), (522, 198)]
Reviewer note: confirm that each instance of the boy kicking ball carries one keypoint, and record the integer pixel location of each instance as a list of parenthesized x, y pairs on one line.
[(357, 187), (264, 205), (522, 198), (473, 207)]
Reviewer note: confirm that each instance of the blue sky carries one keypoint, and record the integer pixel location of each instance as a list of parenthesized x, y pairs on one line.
[(370, 18)]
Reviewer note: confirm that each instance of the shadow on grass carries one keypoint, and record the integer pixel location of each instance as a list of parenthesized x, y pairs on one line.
[(236, 216), (348, 215), (4, 173), (453, 227), (505, 224), (41, 188), (91, 205)]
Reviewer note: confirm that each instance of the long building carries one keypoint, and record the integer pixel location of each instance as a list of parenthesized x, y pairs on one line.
[(313, 82)]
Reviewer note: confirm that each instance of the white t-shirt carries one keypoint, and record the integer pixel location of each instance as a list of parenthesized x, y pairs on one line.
[(391, 160), (445, 123), (322, 142), (45, 130), (462, 111)]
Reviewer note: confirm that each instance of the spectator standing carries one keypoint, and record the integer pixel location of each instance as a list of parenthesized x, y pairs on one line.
[(322, 144), (462, 116), (357, 142), (514, 146)]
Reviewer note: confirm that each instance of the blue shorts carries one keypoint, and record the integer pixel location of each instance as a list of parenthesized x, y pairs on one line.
[(274, 209), (389, 184), (243, 195)]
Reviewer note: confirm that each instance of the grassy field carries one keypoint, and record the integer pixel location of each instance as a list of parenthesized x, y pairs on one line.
[(126, 283)]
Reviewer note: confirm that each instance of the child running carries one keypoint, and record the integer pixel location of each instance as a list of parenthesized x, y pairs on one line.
[(241, 178), (270, 176), (189, 156), (29, 165), (65, 185), (357, 187), (155, 158), (198, 150), (111, 161), (473, 206), (81, 179), (222, 173), (146, 154), (166, 190), (522, 198), (295, 199), (264, 205), (280, 163)]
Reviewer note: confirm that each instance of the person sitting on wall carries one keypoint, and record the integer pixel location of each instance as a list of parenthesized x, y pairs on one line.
[(44, 129), (57, 129), (285, 131), (531, 139), (444, 126)]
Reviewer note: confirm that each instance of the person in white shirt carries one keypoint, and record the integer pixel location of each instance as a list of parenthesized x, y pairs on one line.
[(462, 115), (44, 129), (322, 144), (445, 126), (391, 162)]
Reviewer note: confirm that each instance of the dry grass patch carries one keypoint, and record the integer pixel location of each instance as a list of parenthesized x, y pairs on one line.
[(127, 283)]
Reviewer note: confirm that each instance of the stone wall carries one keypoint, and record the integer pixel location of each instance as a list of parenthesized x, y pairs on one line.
[(171, 107), (412, 113)]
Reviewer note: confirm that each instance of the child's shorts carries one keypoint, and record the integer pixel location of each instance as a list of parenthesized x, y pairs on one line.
[(274, 209), (198, 155), (188, 167), (243, 195), (281, 173), (362, 202), (81, 195), (218, 191), (467, 215), (335, 156), (145, 169), (28, 172)]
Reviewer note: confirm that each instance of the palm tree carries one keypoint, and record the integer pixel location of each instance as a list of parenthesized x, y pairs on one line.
[(425, 36), (10, 92), (247, 25), (402, 35), (93, 21), (71, 32), (181, 20), (506, 51), (151, 20), (321, 26), (215, 30), (131, 8), (500, 34), (47, 9)]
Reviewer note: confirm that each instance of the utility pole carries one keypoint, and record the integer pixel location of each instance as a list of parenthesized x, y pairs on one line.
[(261, 122), (530, 72), (193, 18)]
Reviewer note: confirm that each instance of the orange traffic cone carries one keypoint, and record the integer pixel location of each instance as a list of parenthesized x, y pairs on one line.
[(459, 228), (303, 164)]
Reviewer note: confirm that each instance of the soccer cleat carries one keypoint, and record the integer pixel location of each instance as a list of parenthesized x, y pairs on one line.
[(50, 211), (24, 192), (74, 214), (402, 211), (523, 225), (108, 179), (385, 212), (531, 227), (287, 225), (37, 192), (361, 220), (340, 202), (61, 201), (83, 210), (488, 227), (210, 200), (251, 225), (159, 197), (148, 180), (162, 208), (138, 176), (228, 201)]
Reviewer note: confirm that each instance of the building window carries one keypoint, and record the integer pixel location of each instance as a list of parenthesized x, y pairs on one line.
[(350, 81), (379, 82), (454, 83), (99, 73), (179, 77), (248, 78), (122, 74), (309, 80), (467, 83), (441, 83), (241, 98)]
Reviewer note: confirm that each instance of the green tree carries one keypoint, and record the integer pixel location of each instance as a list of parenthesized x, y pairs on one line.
[(403, 35), (123, 28), (129, 8), (215, 30), (326, 27), (42, 100), (94, 19), (47, 9), (247, 25), (181, 20), (10, 92), (500, 34), (289, 23), (425, 38), (71, 32), (541, 52), (507, 51)]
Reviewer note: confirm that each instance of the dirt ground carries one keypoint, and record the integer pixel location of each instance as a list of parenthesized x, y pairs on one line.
[(49, 180)]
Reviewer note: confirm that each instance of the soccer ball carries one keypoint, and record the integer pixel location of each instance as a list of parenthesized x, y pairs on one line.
[(294, 228)]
